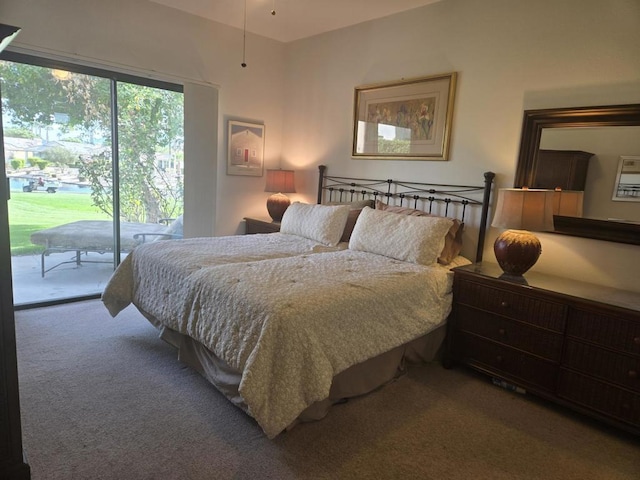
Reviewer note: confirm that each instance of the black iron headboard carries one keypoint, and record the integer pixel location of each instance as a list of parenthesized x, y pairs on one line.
[(444, 198)]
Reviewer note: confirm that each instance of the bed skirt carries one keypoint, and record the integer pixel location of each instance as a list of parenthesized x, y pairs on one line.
[(356, 380)]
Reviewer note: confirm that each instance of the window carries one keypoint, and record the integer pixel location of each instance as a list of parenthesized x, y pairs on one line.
[(92, 157)]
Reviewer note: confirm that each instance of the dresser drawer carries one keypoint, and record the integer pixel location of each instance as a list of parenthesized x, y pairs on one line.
[(500, 359), (522, 336), (526, 308), (607, 330), (605, 364), (611, 401)]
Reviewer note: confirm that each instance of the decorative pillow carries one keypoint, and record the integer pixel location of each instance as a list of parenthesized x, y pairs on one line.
[(322, 223), (416, 239), (355, 209), (351, 222), (453, 240)]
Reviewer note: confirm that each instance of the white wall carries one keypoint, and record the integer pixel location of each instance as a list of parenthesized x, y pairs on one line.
[(510, 56), (138, 36)]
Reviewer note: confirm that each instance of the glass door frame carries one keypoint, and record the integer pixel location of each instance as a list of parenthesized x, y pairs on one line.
[(114, 78)]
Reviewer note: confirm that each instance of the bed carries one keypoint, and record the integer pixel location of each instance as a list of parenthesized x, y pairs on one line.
[(97, 236), (336, 320)]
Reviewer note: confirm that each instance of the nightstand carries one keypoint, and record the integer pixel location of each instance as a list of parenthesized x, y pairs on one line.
[(571, 342), (255, 225)]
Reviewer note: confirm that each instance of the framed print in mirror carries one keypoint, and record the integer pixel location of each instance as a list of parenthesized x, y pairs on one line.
[(404, 120), (627, 186), (246, 149)]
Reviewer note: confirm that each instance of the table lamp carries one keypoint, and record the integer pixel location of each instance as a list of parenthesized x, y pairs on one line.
[(521, 210), (568, 203), (280, 181)]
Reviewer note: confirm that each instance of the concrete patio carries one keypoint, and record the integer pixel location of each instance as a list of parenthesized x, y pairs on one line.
[(65, 281)]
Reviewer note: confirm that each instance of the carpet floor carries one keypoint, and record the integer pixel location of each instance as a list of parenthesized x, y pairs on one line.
[(105, 398)]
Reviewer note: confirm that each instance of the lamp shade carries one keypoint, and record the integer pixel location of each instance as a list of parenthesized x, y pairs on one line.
[(281, 181), (568, 203), (520, 210), (524, 209)]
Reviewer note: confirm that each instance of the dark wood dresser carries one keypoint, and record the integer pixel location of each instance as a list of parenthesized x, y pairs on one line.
[(575, 343), (255, 225), (565, 169)]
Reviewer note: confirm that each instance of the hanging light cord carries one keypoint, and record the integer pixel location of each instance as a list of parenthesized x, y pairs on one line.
[(244, 36), (273, 10)]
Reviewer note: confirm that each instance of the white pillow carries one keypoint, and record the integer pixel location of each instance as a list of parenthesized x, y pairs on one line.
[(403, 237), (321, 223)]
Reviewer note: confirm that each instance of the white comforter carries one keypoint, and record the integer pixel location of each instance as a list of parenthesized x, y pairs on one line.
[(172, 261), (291, 324)]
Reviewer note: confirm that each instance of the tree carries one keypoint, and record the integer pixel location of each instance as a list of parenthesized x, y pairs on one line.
[(33, 96), (59, 156)]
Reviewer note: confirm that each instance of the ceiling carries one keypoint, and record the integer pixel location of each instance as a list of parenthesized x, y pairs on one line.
[(294, 19)]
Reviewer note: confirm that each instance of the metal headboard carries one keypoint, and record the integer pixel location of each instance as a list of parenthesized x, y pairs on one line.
[(442, 197)]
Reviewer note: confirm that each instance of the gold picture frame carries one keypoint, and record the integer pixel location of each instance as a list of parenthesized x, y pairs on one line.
[(245, 155), (404, 120)]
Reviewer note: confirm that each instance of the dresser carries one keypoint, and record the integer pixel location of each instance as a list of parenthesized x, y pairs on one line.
[(565, 169), (575, 343), (256, 225)]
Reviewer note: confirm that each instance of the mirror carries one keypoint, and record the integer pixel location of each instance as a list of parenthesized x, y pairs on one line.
[(601, 135)]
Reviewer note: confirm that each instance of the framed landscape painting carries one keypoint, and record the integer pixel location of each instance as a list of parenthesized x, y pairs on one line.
[(246, 149), (404, 120)]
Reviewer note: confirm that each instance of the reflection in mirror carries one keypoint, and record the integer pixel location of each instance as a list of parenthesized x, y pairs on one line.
[(603, 218), (627, 185), (590, 157)]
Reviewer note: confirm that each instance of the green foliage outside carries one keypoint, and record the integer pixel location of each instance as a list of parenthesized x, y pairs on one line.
[(150, 123), (17, 163), (30, 212), (39, 162), (393, 146), (18, 132), (59, 156)]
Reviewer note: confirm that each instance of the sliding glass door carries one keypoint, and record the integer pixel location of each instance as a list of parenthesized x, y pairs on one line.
[(95, 167)]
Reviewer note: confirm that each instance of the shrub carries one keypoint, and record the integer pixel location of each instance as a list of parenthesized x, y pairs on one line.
[(39, 162), (17, 163), (42, 164)]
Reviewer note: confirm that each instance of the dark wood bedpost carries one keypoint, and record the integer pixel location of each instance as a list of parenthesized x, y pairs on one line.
[(488, 182), (322, 169)]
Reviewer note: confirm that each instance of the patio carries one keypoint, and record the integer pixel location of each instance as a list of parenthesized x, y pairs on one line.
[(65, 281)]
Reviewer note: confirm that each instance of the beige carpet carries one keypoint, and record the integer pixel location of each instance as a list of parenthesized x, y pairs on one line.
[(104, 398)]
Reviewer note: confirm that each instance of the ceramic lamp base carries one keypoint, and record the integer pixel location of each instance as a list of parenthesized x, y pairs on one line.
[(517, 251), (277, 204)]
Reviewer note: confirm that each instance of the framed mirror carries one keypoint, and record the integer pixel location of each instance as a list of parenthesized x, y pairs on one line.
[(600, 134)]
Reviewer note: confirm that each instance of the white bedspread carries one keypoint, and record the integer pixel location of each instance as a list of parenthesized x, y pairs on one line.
[(291, 324), (164, 264)]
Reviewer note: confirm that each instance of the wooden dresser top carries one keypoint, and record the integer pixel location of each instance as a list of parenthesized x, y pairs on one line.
[(558, 285)]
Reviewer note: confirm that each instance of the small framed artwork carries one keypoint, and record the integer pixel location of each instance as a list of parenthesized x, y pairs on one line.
[(404, 120), (627, 186), (245, 154)]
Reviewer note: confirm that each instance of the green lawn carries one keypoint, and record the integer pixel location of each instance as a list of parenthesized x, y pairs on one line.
[(30, 212)]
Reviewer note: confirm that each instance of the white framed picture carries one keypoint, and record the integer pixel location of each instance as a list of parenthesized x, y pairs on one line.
[(245, 148)]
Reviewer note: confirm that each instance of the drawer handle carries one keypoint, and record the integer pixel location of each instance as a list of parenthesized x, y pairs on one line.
[(502, 331), (636, 340), (504, 304), (633, 374), (499, 358)]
